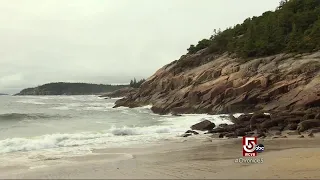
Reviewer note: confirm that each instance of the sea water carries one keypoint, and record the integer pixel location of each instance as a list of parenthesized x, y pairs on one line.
[(50, 127)]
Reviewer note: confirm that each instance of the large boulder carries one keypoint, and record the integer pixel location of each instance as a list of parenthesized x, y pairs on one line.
[(308, 124), (204, 125)]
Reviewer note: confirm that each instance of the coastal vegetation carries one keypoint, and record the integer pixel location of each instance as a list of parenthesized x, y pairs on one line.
[(63, 88), (294, 27), (136, 84)]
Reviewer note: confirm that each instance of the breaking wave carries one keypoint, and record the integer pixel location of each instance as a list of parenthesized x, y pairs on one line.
[(22, 116), (170, 127)]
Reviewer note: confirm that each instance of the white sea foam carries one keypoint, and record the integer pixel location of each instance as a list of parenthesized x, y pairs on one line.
[(30, 101), (170, 127)]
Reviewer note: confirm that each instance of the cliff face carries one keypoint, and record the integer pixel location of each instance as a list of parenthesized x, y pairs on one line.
[(124, 92), (206, 83)]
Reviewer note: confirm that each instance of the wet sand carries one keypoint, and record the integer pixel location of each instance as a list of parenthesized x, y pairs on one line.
[(191, 158)]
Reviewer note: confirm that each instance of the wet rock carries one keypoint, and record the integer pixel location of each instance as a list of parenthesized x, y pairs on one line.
[(231, 135), (293, 133), (244, 117), (233, 119), (311, 135), (309, 116), (191, 132), (242, 131), (301, 136), (217, 135), (186, 135), (293, 120), (274, 133), (175, 114), (308, 124), (292, 126), (258, 118), (223, 125), (315, 130), (317, 116), (297, 113), (270, 123), (204, 125)]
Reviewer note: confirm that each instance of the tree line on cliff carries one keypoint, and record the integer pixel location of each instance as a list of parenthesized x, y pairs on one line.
[(136, 84), (294, 27), (62, 88)]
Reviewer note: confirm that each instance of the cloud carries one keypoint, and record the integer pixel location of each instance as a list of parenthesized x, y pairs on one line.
[(105, 41)]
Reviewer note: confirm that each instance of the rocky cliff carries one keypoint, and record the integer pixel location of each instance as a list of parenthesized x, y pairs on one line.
[(123, 92), (207, 83)]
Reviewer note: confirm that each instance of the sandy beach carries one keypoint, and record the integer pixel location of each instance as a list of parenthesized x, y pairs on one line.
[(193, 157)]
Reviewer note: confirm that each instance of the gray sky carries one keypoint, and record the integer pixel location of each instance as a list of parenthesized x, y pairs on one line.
[(105, 41)]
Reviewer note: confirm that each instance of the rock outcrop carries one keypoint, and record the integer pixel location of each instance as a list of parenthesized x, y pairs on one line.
[(274, 125), (206, 83), (124, 92)]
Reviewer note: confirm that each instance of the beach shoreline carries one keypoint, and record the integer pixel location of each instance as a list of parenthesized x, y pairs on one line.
[(196, 157)]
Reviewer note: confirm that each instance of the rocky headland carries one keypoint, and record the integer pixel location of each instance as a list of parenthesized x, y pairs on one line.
[(207, 83), (268, 64), (65, 88)]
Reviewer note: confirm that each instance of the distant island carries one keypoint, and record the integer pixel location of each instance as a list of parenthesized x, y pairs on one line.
[(2, 94), (64, 88)]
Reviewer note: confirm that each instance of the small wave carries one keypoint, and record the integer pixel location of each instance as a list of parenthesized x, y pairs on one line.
[(22, 116), (61, 108), (48, 142), (31, 101)]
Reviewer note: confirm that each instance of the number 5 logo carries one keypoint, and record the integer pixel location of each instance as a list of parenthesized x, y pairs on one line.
[(249, 144)]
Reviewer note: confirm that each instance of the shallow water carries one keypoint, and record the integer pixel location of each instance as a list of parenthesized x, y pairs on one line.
[(49, 127)]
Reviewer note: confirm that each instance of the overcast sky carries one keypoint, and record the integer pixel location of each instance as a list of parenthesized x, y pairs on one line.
[(105, 41)]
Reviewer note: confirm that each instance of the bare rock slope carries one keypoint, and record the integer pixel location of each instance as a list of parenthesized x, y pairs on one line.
[(207, 83)]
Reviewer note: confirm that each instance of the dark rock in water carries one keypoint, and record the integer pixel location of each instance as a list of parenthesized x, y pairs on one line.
[(311, 135), (308, 124), (244, 117), (223, 125), (204, 125), (186, 135), (233, 119), (175, 114), (191, 132), (301, 136), (260, 116)]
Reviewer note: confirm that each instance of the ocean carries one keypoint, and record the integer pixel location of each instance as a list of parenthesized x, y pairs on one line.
[(34, 128)]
